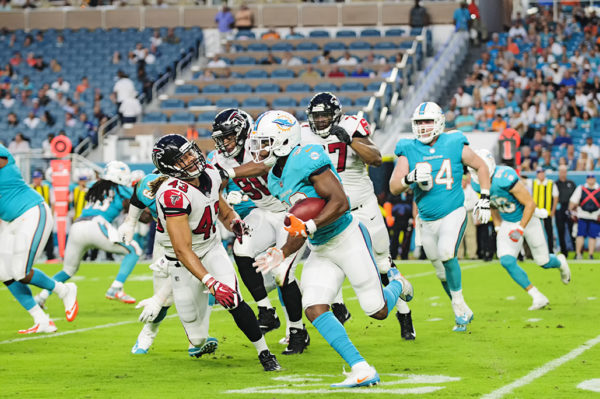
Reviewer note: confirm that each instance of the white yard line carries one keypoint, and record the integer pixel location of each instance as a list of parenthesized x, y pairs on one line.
[(541, 371), (121, 323)]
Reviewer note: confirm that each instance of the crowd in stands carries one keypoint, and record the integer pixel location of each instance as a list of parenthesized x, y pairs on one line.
[(541, 79)]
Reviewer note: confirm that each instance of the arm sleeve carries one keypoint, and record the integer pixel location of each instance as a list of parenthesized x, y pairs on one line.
[(134, 200)]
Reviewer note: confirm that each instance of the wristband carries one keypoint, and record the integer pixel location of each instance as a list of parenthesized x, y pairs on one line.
[(230, 172), (206, 277), (486, 192), (496, 228), (311, 227)]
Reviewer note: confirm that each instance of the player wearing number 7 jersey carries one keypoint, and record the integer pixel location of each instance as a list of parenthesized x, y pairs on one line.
[(432, 164), (346, 139)]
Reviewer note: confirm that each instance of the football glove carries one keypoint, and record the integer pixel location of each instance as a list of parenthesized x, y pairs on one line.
[(239, 229), (126, 231), (151, 309), (299, 228), (269, 260), (515, 234), (224, 294), (540, 213), (341, 134), (236, 197), (417, 175), (482, 211)]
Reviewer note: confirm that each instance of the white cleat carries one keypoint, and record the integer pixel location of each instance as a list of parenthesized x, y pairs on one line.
[(144, 340), (565, 272), (539, 302), (463, 315), (70, 301), (44, 327), (361, 377)]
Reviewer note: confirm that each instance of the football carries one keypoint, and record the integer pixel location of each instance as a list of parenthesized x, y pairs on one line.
[(306, 209)]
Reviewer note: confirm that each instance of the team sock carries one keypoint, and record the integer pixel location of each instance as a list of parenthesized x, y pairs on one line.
[(293, 302), (552, 263), (391, 293), (61, 276), (446, 288), (127, 264), (252, 280), (516, 272), (246, 321), (453, 276), (40, 279), (22, 293), (161, 315), (336, 336)]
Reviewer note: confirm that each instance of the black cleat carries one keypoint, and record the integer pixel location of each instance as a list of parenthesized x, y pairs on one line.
[(407, 331), (299, 340), (267, 319), (269, 361), (340, 312)]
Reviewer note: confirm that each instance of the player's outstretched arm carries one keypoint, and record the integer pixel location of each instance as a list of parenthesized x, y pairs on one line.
[(249, 169), (367, 151), (397, 183), (522, 195)]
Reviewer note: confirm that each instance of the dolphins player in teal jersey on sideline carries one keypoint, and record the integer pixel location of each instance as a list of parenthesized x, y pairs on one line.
[(516, 218), (340, 245), (432, 164), (26, 224)]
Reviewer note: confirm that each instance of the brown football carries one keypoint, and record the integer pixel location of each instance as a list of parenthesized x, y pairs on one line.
[(306, 209)]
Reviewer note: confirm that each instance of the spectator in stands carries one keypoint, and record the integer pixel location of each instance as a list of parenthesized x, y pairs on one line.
[(12, 120), (592, 151), (216, 62), (55, 66), (16, 59), (571, 159), (463, 99), (289, 60), (517, 31), (325, 58), (271, 34), (225, 23), (360, 72), (61, 85), (69, 120), (207, 76), (156, 39), (244, 18), (269, 60), (385, 72), (418, 16), (372, 60), (564, 224), (336, 73), (19, 145), (347, 60), (60, 41), (568, 80), (310, 73), (139, 51), (31, 121), (83, 85), (8, 101), (26, 84), (293, 34), (171, 37), (462, 17), (562, 139), (5, 5), (123, 88), (46, 147), (465, 121), (546, 161), (583, 205), (130, 109)]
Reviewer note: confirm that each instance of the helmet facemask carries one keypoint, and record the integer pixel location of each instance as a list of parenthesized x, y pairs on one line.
[(324, 111), (190, 162)]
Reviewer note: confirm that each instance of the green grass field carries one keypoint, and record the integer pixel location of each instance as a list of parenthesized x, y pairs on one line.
[(495, 358)]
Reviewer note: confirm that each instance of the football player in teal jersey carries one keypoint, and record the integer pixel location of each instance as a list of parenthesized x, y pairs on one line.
[(515, 218), (340, 245), (432, 165), (105, 201), (26, 223)]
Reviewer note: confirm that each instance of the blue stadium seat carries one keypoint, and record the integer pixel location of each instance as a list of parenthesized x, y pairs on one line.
[(352, 86), (257, 47), (199, 102), (227, 102), (373, 86), (332, 46), (345, 101), (172, 103), (187, 89), (394, 32), (245, 34), (282, 46), (214, 89), (254, 102), (359, 46), (345, 33), (325, 86), (205, 133), (318, 33), (362, 101), (182, 117), (267, 88), (240, 88), (256, 74), (283, 102), (244, 60), (297, 87), (415, 31), (370, 33), (385, 46), (207, 117), (282, 74), (307, 46)]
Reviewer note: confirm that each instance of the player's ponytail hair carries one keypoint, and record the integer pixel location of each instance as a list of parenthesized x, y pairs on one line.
[(156, 183), (100, 191)]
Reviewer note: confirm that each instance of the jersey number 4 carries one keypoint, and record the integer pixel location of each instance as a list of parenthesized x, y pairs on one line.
[(442, 178)]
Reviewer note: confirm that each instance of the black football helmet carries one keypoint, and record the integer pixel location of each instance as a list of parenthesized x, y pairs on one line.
[(231, 122), (324, 111), (170, 156)]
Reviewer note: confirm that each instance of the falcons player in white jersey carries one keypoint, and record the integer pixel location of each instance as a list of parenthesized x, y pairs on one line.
[(189, 202), (346, 138), (230, 130)]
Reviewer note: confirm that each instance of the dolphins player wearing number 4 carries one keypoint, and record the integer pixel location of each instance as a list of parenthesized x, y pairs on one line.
[(432, 164), (516, 218)]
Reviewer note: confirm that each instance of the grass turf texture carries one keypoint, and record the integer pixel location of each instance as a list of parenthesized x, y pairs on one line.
[(504, 343)]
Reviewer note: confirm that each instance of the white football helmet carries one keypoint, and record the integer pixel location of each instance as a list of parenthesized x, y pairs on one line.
[(117, 172), (426, 132), (136, 176), (489, 160), (277, 133)]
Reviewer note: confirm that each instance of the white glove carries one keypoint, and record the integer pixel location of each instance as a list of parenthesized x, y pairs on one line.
[(236, 197), (151, 309), (420, 174), (540, 213), (126, 231), (482, 211), (269, 260)]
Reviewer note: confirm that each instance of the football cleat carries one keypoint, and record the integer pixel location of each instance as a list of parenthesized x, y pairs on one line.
[(407, 288), (340, 311), (119, 295), (407, 331), (565, 272), (539, 302), (209, 346), (144, 340), (44, 327), (462, 316), (70, 301), (269, 361), (298, 341), (267, 319), (40, 300), (361, 377)]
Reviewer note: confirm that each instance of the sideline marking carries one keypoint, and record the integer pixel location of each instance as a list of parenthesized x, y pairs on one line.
[(590, 385), (540, 371)]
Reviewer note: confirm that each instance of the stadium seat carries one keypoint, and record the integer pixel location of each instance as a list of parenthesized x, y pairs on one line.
[(415, 31), (240, 88), (199, 102), (318, 33), (182, 117), (325, 86), (227, 102), (186, 89), (359, 46), (244, 60), (267, 88), (154, 117), (394, 32), (385, 46), (370, 33), (282, 46), (204, 133), (345, 101), (245, 34), (345, 33), (282, 74), (172, 103), (256, 74), (257, 47), (333, 46), (254, 102), (207, 117), (352, 86), (373, 86), (307, 46), (283, 102), (297, 87), (214, 89)]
